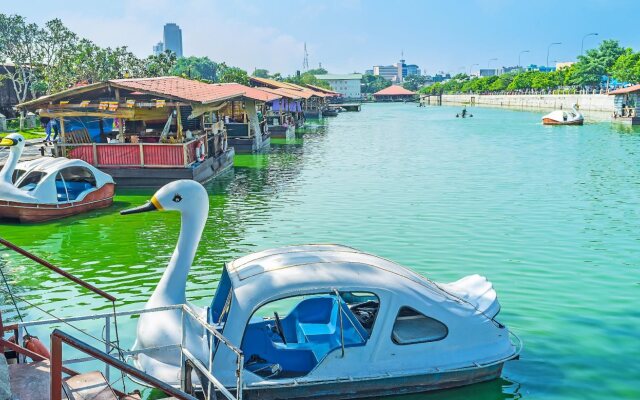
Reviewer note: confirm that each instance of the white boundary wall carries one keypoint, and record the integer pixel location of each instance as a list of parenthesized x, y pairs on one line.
[(587, 102)]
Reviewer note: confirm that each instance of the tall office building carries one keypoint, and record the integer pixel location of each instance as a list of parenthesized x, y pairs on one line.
[(397, 72), (173, 39), (158, 48)]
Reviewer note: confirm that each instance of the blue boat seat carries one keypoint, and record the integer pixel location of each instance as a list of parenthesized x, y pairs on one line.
[(311, 330), (73, 189)]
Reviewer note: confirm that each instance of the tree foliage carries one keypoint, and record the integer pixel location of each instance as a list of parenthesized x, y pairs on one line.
[(228, 74), (260, 73), (414, 82), (201, 68), (374, 83), (596, 63), (627, 67)]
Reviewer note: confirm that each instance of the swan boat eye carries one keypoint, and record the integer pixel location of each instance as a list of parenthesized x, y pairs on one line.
[(177, 198)]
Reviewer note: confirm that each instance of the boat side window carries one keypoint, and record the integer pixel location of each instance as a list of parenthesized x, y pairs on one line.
[(71, 182), (413, 327), (17, 174), (31, 180)]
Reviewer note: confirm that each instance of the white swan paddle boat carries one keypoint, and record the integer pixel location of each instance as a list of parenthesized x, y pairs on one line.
[(559, 117), (49, 188), (322, 320)]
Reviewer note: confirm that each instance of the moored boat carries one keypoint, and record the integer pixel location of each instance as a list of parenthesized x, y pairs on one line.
[(52, 188), (559, 117), (305, 317)]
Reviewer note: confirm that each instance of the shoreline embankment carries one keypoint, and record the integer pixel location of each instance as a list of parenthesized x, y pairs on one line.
[(586, 102)]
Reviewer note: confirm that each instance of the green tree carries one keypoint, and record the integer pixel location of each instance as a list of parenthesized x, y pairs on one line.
[(201, 68), (161, 64), (308, 78), (627, 67), (597, 63), (261, 73), (414, 82), (317, 71), (228, 74), (19, 44), (374, 83)]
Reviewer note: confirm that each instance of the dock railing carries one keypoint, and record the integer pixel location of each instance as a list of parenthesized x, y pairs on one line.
[(187, 360)]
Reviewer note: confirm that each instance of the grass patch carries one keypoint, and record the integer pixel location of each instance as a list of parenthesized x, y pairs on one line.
[(34, 133)]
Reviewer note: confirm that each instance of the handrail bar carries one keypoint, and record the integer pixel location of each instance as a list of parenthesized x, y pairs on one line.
[(57, 270), (92, 317), (205, 371), (212, 330), (58, 337)]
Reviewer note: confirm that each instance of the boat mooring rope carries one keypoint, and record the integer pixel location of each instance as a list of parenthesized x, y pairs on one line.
[(13, 300)]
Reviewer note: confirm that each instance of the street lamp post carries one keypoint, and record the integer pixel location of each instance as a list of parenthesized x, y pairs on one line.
[(471, 67), (489, 62), (521, 53), (583, 38), (548, 49)]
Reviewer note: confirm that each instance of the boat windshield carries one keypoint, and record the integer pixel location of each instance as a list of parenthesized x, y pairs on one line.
[(17, 174), (31, 180), (72, 182), (289, 337)]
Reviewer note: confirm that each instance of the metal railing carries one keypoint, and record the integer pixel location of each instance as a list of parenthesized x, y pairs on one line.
[(187, 360), (58, 337)]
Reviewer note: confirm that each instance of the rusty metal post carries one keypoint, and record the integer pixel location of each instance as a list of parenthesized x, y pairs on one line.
[(56, 368)]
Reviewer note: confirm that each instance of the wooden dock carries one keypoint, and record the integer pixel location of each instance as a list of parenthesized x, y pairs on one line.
[(352, 107)]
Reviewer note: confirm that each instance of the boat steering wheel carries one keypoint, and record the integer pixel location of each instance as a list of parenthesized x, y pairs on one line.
[(278, 326)]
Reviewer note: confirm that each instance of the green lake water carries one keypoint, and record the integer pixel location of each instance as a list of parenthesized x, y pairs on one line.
[(551, 215)]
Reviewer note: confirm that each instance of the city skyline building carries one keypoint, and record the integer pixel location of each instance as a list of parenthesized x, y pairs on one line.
[(158, 48), (172, 38), (397, 72)]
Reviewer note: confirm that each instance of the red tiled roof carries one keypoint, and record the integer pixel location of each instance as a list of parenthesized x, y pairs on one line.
[(323, 90), (628, 89), (289, 94), (258, 94), (181, 88), (394, 90)]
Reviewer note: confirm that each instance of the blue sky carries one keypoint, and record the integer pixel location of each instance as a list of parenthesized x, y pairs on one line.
[(350, 35)]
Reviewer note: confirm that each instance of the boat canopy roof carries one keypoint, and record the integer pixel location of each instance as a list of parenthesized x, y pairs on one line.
[(41, 178), (309, 267)]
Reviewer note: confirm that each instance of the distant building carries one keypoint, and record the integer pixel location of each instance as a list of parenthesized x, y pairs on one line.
[(564, 64), (173, 39), (368, 72), (506, 70), (397, 72), (388, 72), (441, 77), (487, 72), (348, 85), (158, 48)]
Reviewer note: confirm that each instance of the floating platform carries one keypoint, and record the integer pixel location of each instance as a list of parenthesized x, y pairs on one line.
[(626, 120), (156, 177), (352, 107), (282, 131), (248, 145)]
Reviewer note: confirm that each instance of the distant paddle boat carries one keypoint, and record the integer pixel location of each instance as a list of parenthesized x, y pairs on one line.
[(321, 320), (49, 188), (559, 117)]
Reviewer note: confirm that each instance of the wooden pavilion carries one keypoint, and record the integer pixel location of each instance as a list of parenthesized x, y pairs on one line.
[(394, 93), (147, 131), (626, 105)]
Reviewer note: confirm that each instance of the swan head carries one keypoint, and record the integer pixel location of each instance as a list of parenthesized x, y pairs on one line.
[(185, 196), (13, 141)]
